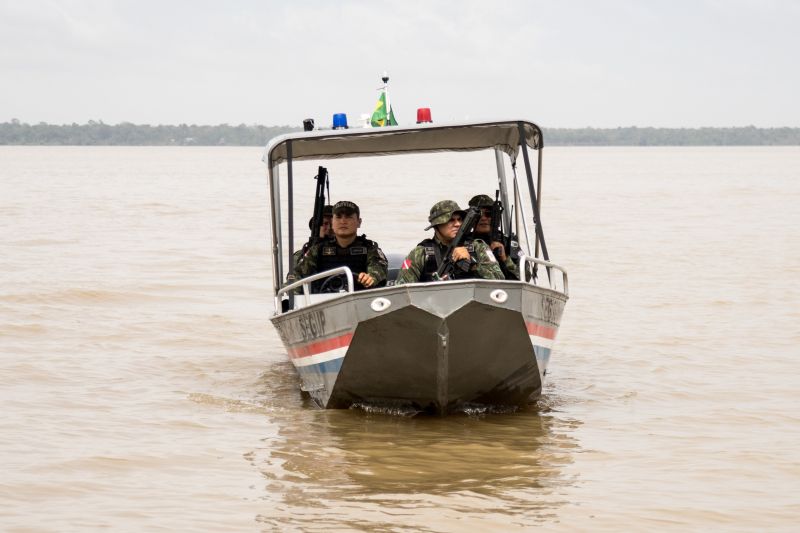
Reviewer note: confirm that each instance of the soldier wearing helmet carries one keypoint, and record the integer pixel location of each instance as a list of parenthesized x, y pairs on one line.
[(425, 259), (325, 231), (483, 231)]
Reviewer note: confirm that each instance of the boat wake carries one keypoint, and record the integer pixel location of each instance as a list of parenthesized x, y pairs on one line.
[(407, 411), (387, 410)]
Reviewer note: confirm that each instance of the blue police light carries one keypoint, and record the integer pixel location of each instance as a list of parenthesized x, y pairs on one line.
[(340, 121)]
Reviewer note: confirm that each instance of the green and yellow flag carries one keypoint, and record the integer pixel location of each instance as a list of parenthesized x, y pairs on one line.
[(380, 117)]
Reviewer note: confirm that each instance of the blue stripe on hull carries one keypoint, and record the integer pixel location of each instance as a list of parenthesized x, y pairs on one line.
[(318, 379), (542, 358), (333, 365)]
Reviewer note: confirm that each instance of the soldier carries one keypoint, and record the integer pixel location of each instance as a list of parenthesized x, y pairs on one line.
[(424, 261), (325, 230), (483, 230), (346, 248)]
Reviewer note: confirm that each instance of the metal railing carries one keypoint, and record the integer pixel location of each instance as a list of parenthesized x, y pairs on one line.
[(524, 260), (305, 283)]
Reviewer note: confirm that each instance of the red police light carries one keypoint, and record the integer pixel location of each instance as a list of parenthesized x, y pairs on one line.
[(423, 115)]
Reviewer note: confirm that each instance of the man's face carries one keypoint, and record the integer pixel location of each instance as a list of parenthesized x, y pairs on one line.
[(345, 224), (484, 225), (449, 230), (326, 228)]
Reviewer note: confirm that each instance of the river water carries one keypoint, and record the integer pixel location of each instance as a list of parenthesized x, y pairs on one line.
[(143, 387)]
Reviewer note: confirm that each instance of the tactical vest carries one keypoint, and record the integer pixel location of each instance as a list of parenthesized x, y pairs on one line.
[(331, 255), (510, 253), (434, 254)]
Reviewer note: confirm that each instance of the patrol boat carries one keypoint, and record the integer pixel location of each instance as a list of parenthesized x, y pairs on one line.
[(416, 347)]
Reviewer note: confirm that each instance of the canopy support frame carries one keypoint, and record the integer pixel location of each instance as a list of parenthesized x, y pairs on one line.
[(531, 188)]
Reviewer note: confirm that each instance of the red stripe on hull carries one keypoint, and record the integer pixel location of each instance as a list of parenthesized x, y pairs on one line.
[(541, 331), (316, 347)]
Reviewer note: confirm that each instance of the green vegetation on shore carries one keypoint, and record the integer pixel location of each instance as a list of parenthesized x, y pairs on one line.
[(127, 134), (633, 136)]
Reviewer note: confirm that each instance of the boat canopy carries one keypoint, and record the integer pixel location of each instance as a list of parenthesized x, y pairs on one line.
[(511, 137), (452, 137)]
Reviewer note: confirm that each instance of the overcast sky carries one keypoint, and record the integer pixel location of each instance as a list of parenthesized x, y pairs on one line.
[(679, 63)]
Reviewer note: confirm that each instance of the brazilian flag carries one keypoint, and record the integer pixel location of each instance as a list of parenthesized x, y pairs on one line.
[(380, 117)]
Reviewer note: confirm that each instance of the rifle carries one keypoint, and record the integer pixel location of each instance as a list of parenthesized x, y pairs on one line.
[(319, 203), (506, 239), (449, 268), (497, 223)]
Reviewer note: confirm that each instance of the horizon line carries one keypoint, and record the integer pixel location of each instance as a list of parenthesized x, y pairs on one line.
[(14, 121)]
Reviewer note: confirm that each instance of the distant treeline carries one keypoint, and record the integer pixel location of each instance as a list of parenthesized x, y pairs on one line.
[(127, 134), (633, 136)]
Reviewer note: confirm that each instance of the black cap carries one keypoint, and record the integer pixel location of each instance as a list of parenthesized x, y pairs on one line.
[(346, 207)]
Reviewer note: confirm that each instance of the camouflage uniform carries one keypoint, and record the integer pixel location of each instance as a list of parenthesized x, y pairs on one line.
[(327, 212), (423, 260), (296, 256), (485, 265), (329, 254), (509, 267)]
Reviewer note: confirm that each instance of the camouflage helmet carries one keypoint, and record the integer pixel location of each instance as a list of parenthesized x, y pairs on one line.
[(442, 212), (481, 200), (327, 211)]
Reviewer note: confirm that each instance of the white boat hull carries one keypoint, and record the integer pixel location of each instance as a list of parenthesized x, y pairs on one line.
[(434, 347)]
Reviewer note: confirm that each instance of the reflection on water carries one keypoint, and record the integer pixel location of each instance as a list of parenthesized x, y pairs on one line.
[(327, 460)]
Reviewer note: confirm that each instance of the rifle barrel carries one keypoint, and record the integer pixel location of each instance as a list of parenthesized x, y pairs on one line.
[(471, 219)]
